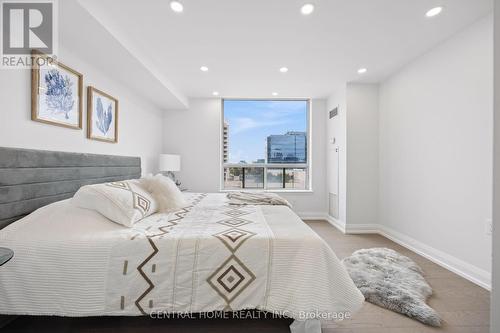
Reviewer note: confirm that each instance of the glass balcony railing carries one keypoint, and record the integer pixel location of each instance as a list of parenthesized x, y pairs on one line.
[(265, 178)]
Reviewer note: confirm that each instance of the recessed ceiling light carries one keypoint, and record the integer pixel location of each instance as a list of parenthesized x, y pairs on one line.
[(176, 6), (204, 68), (275, 94), (307, 9), (434, 11), (283, 69), (215, 93), (362, 71)]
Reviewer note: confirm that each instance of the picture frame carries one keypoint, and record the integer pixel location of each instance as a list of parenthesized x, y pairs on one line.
[(102, 116), (56, 92)]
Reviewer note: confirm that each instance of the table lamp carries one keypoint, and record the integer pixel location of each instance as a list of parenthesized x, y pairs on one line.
[(169, 163)]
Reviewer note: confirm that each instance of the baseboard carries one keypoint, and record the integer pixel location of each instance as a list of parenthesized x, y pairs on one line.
[(336, 223), (308, 216), (354, 229), (470, 272)]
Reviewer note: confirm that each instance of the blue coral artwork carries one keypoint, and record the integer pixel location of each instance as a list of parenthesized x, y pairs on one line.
[(58, 97), (102, 116)]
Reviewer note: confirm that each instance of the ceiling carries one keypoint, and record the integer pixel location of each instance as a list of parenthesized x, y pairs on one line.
[(245, 42), (80, 34)]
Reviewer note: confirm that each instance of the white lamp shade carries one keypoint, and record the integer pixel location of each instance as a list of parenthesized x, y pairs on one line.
[(169, 162)]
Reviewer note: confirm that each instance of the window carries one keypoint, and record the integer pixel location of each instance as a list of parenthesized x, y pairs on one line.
[(265, 144)]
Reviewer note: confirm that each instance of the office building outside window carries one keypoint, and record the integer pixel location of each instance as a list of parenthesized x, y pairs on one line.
[(265, 145)]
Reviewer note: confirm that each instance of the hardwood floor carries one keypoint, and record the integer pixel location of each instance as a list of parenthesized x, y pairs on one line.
[(463, 305)]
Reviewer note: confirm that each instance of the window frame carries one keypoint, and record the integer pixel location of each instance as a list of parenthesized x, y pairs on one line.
[(307, 166)]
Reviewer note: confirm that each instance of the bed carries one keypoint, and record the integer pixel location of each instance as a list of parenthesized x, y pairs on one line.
[(208, 256)]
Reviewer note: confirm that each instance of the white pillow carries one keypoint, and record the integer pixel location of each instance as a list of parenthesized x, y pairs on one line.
[(123, 202), (166, 193)]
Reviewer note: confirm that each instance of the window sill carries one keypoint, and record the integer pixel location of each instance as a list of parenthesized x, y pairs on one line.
[(267, 191)]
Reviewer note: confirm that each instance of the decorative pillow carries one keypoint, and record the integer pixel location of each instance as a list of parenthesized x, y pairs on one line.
[(124, 202), (166, 193)]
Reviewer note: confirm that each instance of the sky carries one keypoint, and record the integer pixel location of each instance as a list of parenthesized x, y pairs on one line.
[(251, 122)]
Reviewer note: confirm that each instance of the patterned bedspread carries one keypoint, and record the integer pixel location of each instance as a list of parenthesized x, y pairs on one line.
[(210, 256)]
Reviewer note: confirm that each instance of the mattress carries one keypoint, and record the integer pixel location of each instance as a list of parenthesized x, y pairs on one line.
[(210, 256)]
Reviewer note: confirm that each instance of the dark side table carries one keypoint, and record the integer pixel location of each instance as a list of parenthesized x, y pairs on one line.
[(5, 255)]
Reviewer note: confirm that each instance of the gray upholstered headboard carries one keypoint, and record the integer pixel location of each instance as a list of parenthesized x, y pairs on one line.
[(30, 179)]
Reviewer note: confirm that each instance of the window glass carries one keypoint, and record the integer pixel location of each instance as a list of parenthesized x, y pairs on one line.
[(265, 144)]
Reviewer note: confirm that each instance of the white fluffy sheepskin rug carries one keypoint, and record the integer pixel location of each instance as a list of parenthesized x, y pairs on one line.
[(392, 281)]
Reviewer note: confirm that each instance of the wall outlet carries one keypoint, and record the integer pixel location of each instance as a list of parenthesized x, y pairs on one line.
[(488, 227)]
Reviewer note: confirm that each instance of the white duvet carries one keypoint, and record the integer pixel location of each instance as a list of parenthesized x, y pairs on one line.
[(211, 256)]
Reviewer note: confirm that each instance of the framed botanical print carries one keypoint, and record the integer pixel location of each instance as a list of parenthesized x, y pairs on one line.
[(56, 92), (102, 116)]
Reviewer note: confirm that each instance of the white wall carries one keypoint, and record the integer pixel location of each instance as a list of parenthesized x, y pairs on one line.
[(140, 124), (355, 132), (362, 153), (336, 171), (195, 135), (436, 149), (495, 304)]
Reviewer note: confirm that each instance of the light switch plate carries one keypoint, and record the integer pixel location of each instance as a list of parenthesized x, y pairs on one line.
[(488, 227)]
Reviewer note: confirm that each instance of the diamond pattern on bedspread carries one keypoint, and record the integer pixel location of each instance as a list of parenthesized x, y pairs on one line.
[(234, 222), (196, 259), (231, 279), (234, 238), (236, 212)]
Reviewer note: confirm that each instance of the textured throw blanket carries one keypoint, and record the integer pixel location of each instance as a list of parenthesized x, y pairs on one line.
[(256, 198)]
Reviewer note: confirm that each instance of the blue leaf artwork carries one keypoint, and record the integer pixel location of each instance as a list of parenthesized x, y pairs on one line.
[(59, 96), (104, 118)]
